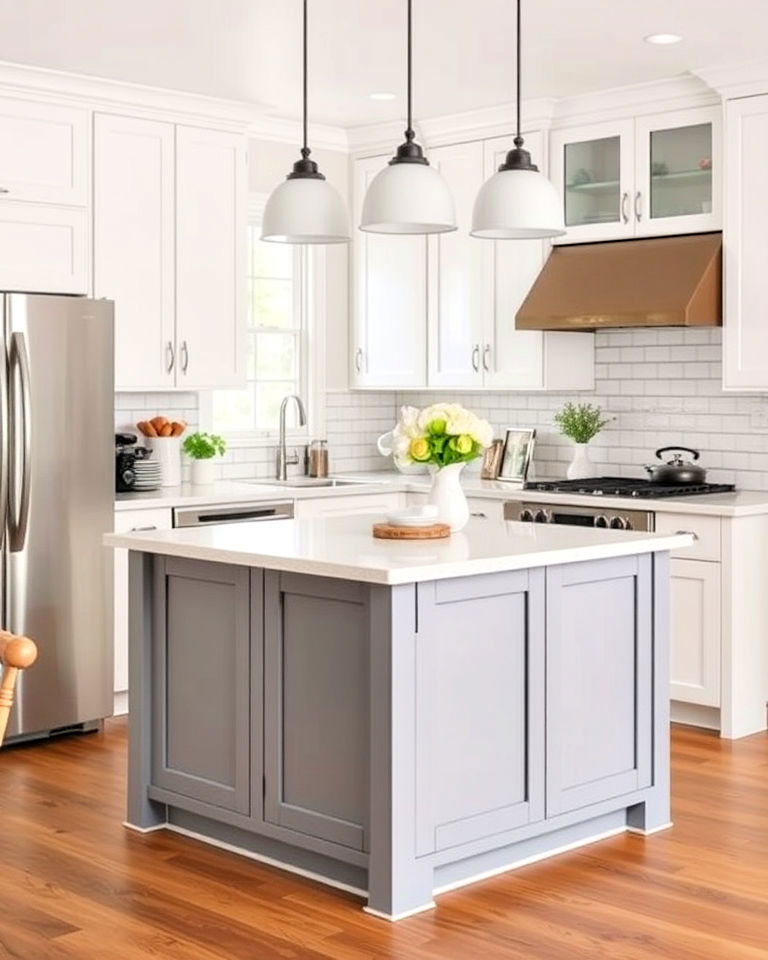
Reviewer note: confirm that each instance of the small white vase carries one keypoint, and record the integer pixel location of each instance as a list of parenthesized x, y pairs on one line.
[(448, 495), (167, 452), (581, 466), (203, 472)]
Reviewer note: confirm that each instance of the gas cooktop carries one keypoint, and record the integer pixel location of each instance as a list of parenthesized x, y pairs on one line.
[(626, 487)]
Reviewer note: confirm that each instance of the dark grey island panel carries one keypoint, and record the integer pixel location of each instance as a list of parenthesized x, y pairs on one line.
[(399, 740)]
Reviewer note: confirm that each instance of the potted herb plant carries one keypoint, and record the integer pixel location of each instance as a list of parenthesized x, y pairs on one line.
[(580, 422), (202, 449)]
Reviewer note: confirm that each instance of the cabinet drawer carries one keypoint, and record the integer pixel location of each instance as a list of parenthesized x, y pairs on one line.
[(483, 509), (706, 530)]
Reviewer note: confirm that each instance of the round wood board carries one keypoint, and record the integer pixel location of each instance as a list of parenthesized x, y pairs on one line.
[(387, 531)]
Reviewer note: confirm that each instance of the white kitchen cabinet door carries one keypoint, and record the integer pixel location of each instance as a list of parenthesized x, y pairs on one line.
[(389, 345), (459, 276), (210, 258), (745, 326), (134, 228), (44, 248), (377, 504), (46, 152), (696, 632), (678, 172), (125, 521), (593, 169)]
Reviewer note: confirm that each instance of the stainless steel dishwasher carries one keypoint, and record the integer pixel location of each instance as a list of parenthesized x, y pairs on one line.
[(213, 515)]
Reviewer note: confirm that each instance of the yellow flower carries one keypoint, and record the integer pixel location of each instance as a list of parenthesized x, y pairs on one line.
[(464, 444), (419, 449)]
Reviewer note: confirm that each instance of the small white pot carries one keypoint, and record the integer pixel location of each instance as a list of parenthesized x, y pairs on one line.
[(448, 496), (167, 452), (203, 471), (581, 466)]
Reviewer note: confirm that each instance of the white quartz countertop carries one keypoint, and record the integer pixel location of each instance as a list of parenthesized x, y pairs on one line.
[(740, 503), (344, 547)]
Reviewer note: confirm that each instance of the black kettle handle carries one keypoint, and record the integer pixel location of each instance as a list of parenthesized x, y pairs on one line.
[(684, 449)]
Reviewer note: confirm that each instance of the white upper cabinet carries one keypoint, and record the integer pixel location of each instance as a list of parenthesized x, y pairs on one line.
[(389, 344), (134, 245), (211, 244), (648, 176), (45, 155), (459, 289), (44, 248), (745, 329)]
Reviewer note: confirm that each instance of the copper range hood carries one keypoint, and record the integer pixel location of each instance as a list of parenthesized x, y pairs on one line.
[(659, 282)]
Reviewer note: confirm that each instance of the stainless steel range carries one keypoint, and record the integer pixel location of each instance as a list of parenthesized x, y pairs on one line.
[(599, 515)]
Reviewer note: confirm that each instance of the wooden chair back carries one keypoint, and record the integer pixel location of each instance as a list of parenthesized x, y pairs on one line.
[(16, 653)]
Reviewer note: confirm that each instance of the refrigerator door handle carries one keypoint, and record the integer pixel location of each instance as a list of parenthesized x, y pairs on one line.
[(20, 519), (4, 448)]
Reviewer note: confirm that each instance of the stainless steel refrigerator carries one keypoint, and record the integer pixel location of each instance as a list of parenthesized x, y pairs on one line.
[(57, 500)]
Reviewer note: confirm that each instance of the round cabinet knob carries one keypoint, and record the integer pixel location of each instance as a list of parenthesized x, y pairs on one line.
[(618, 523), (526, 516), (601, 521), (541, 516)]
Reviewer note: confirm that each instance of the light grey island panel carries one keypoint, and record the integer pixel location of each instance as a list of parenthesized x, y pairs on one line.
[(201, 682), (316, 706), (480, 707), (599, 681)]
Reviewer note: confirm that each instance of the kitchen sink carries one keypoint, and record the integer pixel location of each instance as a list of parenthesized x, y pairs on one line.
[(297, 483)]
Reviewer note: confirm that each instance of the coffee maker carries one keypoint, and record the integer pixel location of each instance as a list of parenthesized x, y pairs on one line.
[(125, 458)]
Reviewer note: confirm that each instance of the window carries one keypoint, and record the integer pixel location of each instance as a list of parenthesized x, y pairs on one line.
[(277, 344)]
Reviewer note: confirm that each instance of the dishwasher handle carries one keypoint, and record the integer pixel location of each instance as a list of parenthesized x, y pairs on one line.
[(237, 513)]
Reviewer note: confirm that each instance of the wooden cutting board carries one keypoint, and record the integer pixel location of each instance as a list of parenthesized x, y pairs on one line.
[(386, 531)]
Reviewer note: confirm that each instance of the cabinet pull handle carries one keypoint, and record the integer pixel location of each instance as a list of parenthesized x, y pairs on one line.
[(359, 359), (638, 206), (483, 516), (476, 358), (4, 190), (625, 207), (170, 357), (139, 529), (184, 356), (689, 533), (487, 357)]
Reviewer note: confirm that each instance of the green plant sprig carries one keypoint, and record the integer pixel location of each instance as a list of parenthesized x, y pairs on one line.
[(204, 446), (580, 421)]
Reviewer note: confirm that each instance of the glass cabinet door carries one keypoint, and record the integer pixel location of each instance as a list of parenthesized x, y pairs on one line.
[(678, 172)]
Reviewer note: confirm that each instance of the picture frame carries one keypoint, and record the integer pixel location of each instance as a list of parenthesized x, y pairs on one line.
[(518, 454)]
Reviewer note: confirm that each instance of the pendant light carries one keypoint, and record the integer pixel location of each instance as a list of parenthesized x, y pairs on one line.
[(305, 208), (517, 202), (408, 196)]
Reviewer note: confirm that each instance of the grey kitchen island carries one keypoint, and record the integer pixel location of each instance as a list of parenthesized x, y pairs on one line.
[(398, 718)]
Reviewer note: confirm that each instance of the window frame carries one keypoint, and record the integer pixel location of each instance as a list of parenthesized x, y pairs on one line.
[(309, 299)]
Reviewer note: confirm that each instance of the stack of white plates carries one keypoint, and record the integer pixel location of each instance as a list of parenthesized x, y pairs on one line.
[(423, 516), (148, 474)]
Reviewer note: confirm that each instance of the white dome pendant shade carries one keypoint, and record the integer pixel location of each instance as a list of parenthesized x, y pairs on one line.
[(408, 196), (305, 208), (517, 202)]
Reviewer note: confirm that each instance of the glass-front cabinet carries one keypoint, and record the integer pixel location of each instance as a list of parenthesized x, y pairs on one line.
[(653, 175)]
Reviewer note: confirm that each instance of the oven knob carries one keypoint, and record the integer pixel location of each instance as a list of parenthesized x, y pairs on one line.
[(618, 523), (526, 516), (541, 516), (601, 521)]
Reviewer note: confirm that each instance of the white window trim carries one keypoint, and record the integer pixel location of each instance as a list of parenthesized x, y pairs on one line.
[(312, 309)]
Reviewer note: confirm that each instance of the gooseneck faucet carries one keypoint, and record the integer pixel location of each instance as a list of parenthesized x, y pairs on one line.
[(282, 459)]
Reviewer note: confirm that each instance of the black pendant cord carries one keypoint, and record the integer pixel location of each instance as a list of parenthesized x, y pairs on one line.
[(305, 169), (518, 138), (409, 151), (519, 159)]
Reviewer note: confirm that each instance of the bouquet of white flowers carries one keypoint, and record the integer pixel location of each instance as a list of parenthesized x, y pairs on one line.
[(441, 434)]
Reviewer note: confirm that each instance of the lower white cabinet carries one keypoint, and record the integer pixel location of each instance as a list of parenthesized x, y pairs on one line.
[(125, 521), (346, 506), (44, 248), (696, 632)]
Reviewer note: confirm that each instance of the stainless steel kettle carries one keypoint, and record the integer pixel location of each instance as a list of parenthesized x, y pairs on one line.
[(676, 471)]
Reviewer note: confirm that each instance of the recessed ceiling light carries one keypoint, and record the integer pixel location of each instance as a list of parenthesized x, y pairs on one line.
[(662, 38), (381, 96)]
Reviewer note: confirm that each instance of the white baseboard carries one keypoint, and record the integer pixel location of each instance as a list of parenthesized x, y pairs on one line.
[(648, 833), (394, 917), (120, 703), (132, 826)]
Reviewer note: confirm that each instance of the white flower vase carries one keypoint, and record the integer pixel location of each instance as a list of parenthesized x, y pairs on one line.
[(203, 472), (448, 496), (581, 466)]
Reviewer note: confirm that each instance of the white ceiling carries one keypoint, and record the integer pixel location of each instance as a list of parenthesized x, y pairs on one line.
[(249, 49)]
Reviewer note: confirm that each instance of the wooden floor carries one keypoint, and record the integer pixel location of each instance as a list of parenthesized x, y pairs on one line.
[(74, 884)]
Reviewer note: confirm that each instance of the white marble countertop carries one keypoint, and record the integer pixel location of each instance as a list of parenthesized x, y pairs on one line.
[(344, 547), (740, 503)]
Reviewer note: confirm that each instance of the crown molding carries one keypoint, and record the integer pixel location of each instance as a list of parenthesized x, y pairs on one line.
[(487, 122), (736, 80), (278, 129), (377, 138), (656, 96)]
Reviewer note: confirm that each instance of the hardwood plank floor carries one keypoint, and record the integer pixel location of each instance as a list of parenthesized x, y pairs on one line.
[(75, 885)]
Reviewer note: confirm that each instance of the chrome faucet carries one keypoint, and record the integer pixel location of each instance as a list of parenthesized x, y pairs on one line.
[(283, 461)]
